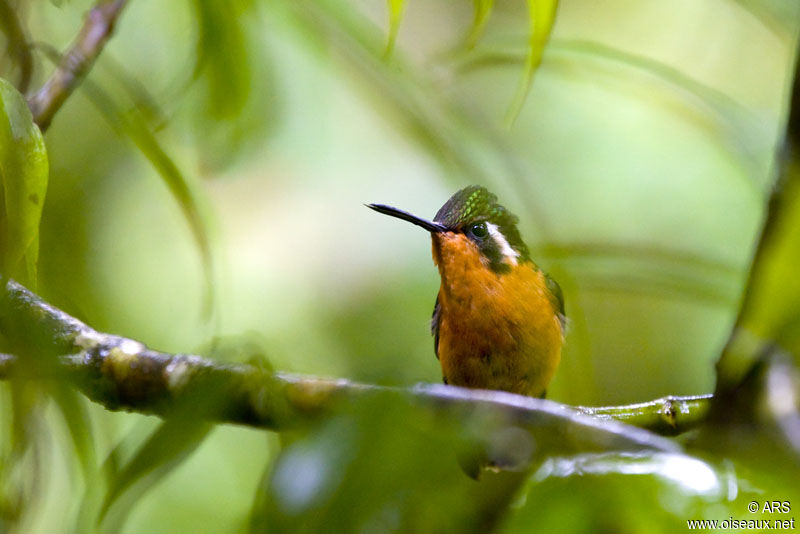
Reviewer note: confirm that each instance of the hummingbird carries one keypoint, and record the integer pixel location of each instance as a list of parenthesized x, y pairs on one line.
[(498, 322)]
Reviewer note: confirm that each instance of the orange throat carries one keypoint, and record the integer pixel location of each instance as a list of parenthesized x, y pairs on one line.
[(496, 330)]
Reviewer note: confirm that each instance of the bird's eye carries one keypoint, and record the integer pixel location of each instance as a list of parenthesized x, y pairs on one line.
[(479, 230)]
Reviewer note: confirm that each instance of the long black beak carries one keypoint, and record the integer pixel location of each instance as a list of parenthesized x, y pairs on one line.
[(413, 219)]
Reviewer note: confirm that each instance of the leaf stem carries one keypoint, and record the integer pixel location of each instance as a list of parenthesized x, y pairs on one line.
[(76, 62)]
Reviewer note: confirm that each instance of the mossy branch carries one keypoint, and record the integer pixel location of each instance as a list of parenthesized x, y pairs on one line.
[(122, 374)]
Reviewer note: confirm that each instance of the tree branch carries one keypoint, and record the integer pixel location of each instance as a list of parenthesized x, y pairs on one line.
[(17, 43), (123, 374), (670, 415), (76, 62)]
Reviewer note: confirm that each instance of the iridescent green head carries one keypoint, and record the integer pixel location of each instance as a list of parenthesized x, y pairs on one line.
[(475, 212)]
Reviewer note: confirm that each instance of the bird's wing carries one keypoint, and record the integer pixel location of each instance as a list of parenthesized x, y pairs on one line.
[(437, 315), (556, 299)]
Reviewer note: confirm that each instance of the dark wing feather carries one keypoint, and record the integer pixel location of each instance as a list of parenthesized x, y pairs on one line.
[(557, 299), (437, 315)]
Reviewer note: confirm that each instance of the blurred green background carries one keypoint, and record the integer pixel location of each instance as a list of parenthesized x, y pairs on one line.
[(639, 167)]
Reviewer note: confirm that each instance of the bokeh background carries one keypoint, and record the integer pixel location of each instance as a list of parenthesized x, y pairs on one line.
[(639, 167)]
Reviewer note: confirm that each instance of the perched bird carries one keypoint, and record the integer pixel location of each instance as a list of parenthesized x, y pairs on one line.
[(498, 320)]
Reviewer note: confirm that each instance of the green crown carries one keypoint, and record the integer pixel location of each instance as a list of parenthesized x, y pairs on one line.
[(475, 204)]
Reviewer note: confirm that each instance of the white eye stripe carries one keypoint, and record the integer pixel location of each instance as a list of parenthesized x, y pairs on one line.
[(508, 253)]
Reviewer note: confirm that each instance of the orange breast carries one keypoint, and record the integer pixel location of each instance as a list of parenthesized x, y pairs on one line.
[(496, 330)]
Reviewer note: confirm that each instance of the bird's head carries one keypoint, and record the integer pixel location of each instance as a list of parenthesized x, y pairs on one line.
[(472, 222)]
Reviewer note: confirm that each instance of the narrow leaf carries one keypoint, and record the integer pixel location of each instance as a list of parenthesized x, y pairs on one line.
[(23, 172), (483, 8), (542, 14), (78, 423), (172, 442), (133, 126), (396, 10), (228, 118), (222, 57)]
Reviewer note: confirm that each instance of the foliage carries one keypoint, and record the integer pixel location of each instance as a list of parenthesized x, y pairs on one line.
[(23, 169), (220, 195)]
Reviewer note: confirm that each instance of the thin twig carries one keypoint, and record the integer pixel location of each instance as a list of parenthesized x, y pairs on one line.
[(17, 43), (669, 415), (77, 61)]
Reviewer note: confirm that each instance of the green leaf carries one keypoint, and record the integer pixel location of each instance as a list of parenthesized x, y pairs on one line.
[(542, 15), (170, 444), (626, 492), (23, 171), (229, 118), (325, 479), (450, 132), (134, 126), (483, 8), (769, 321), (768, 324), (222, 56), (76, 418), (777, 15), (396, 10), (387, 467)]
